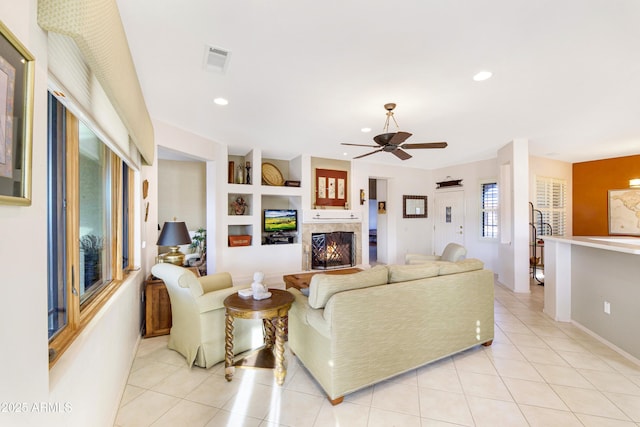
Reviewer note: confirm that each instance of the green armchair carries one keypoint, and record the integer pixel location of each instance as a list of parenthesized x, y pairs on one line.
[(198, 315)]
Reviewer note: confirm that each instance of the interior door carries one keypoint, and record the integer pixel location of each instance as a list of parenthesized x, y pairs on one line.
[(448, 219)]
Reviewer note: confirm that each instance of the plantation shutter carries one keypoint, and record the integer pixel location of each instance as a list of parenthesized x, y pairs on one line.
[(551, 195), (489, 225)]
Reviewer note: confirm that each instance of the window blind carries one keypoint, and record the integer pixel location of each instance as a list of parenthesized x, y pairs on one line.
[(84, 96), (95, 28)]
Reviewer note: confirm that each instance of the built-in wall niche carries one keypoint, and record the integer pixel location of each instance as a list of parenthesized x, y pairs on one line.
[(325, 174), (240, 235), (278, 172), (240, 204), (288, 212), (240, 169)]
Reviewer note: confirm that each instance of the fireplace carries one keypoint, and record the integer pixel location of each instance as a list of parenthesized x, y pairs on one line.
[(332, 250)]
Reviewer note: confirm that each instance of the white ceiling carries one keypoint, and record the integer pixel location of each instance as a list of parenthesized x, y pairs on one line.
[(304, 76)]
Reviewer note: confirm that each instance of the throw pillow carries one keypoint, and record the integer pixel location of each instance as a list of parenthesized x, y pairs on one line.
[(323, 286)]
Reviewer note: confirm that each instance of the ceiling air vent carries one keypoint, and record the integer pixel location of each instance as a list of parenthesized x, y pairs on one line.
[(216, 59)]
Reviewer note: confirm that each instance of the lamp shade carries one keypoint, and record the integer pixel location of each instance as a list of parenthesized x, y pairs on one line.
[(174, 233)]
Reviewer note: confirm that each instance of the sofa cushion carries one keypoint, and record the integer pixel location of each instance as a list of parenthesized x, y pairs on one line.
[(404, 273), (216, 281), (323, 286), (469, 264)]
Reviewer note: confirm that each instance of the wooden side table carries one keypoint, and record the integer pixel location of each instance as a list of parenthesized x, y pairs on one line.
[(302, 280), (272, 311), (158, 306)]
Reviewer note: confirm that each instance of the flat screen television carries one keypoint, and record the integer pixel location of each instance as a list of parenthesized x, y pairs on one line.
[(276, 220)]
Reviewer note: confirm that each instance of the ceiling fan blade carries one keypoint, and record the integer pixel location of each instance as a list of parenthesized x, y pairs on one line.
[(426, 145), (368, 154), (359, 145), (399, 138), (402, 155)]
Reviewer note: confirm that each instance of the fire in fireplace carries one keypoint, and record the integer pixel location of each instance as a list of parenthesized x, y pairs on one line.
[(332, 250)]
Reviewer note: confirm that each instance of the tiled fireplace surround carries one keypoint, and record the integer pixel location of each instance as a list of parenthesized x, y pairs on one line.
[(329, 227)]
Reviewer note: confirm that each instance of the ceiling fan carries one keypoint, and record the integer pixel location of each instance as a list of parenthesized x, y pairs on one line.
[(391, 141)]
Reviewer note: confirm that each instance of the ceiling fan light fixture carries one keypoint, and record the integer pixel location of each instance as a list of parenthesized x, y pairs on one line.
[(482, 76), (393, 142)]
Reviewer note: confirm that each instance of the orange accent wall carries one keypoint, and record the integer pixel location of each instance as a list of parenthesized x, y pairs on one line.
[(591, 183)]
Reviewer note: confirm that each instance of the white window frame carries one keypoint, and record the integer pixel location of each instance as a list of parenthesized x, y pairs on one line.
[(484, 210)]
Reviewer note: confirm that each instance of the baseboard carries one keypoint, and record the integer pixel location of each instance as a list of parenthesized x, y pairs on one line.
[(609, 344)]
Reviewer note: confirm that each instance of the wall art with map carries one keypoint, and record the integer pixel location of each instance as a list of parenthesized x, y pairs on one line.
[(624, 212)]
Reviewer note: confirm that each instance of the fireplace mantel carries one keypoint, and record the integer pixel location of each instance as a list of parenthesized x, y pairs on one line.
[(330, 215)]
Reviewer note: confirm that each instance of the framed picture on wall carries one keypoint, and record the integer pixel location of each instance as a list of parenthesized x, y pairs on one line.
[(624, 212), (331, 187), (16, 118)]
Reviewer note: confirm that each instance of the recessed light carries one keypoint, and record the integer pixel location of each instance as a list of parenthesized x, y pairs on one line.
[(221, 101), (365, 130), (482, 75), (345, 154)]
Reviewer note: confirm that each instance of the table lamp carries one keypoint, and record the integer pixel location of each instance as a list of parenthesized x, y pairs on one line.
[(173, 234)]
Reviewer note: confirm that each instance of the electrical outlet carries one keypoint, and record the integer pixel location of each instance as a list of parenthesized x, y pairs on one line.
[(607, 307)]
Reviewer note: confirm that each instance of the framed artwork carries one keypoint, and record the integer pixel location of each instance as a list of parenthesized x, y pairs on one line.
[(16, 118), (331, 187), (415, 207), (382, 207), (624, 212)]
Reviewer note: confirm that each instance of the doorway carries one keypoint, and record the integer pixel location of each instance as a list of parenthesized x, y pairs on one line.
[(448, 219), (377, 221)]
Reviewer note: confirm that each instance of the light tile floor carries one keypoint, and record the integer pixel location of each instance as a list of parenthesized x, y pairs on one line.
[(536, 373)]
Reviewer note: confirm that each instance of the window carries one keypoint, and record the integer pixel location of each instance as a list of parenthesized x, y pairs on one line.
[(56, 228), (94, 210), (489, 210), (551, 196), (89, 228)]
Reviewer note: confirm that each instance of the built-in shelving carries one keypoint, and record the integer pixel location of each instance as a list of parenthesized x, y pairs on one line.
[(258, 195)]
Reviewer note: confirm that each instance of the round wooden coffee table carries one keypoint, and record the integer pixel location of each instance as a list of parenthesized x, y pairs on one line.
[(271, 310)]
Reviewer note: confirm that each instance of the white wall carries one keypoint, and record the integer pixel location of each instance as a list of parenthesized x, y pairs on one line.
[(183, 194), (513, 252), (23, 249), (91, 374)]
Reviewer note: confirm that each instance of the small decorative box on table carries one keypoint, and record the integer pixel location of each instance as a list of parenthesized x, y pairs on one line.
[(240, 240)]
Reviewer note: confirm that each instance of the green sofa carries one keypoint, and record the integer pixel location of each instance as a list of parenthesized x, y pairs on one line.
[(355, 330)]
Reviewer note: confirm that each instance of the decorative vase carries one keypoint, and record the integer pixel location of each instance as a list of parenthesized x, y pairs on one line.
[(231, 172), (240, 175)]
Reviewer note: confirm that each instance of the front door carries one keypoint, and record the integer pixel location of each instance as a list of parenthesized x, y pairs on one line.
[(448, 219)]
